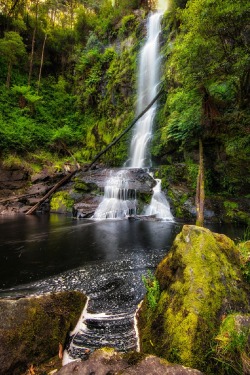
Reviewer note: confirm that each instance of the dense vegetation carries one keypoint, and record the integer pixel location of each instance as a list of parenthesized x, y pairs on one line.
[(68, 84)]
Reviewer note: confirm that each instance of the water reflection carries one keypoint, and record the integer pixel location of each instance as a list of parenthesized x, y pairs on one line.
[(35, 247)]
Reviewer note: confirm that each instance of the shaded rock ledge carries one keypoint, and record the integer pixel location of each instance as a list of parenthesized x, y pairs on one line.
[(32, 328), (106, 361)]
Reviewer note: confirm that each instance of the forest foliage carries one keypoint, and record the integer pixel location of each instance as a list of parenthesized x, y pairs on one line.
[(68, 81)]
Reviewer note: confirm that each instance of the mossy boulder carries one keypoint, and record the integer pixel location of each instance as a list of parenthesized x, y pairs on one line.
[(32, 328), (61, 202), (200, 282)]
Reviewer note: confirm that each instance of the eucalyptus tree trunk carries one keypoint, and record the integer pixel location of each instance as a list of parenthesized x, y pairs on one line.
[(33, 46), (41, 63), (200, 189)]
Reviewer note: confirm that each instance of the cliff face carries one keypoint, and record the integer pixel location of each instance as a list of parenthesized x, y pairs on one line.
[(200, 284)]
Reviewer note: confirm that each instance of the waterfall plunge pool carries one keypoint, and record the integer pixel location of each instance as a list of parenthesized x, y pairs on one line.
[(104, 259), (36, 247)]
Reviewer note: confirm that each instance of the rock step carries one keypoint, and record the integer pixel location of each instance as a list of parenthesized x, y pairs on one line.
[(98, 331)]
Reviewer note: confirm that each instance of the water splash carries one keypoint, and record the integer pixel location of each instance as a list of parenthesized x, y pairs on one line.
[(159, 205)]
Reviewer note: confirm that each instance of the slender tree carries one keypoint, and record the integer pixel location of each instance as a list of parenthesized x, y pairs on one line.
[(11, 49), (41, 63), (33, 42)]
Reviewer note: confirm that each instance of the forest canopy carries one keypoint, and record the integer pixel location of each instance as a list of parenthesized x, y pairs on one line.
[(68, 80)]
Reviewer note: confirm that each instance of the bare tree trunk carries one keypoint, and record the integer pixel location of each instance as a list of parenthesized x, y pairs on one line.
[(200, 189), (8, 75), (41, 64), (32, 55), (33, 46)]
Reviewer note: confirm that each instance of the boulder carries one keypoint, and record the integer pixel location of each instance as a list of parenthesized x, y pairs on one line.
[(32, 328), (107, 361), (199, 282)]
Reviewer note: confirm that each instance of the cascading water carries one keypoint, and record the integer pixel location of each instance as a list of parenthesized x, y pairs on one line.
[(159, 205), (147, 90), (119, 201)]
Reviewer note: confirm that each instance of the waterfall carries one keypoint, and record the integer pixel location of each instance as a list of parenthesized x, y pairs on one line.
[(119, 201), (147, 89)]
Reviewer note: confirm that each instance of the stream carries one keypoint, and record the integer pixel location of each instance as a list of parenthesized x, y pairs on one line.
[(104, 259)]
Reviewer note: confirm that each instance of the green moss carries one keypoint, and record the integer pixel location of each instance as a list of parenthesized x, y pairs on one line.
[(233, 213), (232, 344), (199, 279), (80, 185), (61, 202), (178, 198), (244, 249)]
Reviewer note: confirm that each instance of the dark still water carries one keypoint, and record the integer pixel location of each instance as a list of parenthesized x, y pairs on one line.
[(35, 247)]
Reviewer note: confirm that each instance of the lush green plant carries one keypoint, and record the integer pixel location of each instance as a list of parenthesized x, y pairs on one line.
[(244, 248), (152, 288), (232, 347)]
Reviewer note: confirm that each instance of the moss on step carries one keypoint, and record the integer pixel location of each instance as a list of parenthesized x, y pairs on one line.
[(61, 202)]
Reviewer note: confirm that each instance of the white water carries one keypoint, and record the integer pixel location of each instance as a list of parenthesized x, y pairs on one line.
[(119, 201), (147, 89), (159, 205)]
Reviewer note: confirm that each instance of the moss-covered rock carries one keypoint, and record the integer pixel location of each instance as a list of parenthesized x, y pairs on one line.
[(32, 328), (61, 202), (200, 281)]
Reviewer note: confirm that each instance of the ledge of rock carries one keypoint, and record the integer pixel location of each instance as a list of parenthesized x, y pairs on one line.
[(137, 179), (32, 328), (107, 361)]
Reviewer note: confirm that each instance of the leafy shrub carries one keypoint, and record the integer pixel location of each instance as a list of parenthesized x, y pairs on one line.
[(153, 289)]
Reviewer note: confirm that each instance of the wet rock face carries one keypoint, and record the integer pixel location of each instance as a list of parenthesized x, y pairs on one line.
[(107, 361), (138, 179), (91, 183), (13, 178), (200, 283), (32, 328)]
